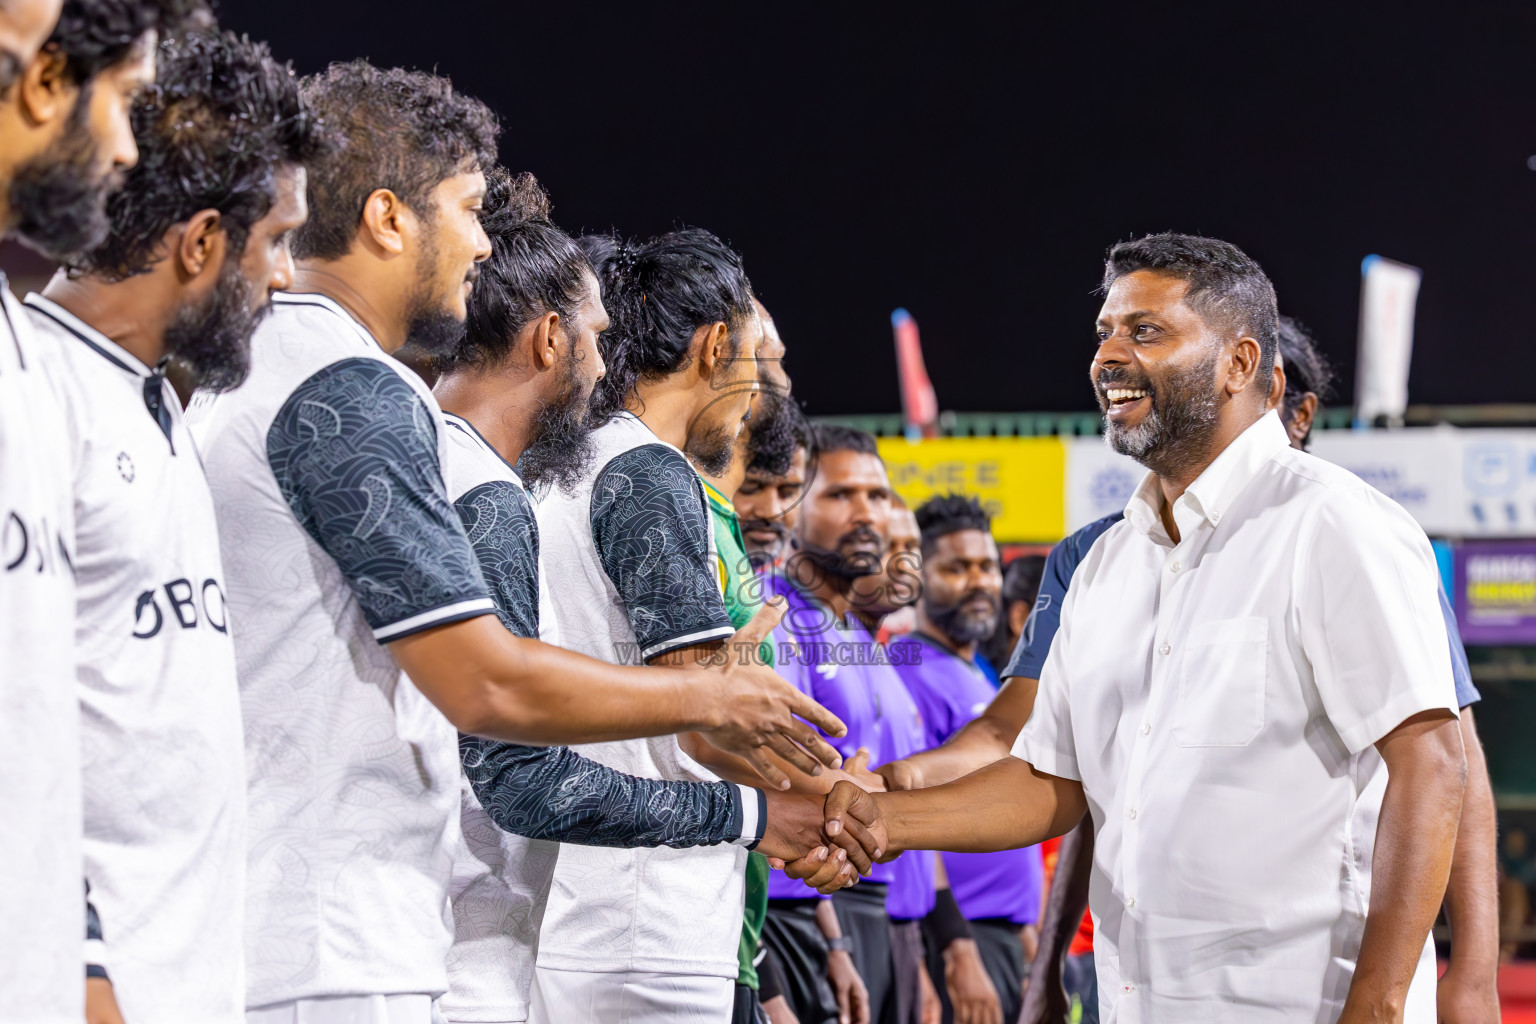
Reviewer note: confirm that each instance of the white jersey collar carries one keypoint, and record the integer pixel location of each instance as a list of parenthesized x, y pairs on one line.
[(327, 303), (468, 430), (98, 342)]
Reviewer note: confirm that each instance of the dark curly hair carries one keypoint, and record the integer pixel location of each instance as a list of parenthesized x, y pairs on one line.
[(1227, 287), (534, 268), (1305, 367), (94, 35), (212, 132), (776, 431), (658, 293), (407, 131), (950, 513)]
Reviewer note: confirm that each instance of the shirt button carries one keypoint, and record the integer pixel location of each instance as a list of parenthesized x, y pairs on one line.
[(1215, 517), (1164, 649), (1176, 566), (1131, 814), (1131, 902), (1146, 727)]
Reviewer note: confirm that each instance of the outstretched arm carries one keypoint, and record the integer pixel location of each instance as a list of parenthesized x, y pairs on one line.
[(979, 742), (1005, 805), (1415, 837)]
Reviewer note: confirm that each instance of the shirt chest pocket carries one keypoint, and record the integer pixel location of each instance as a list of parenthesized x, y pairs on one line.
[(1221, 683)]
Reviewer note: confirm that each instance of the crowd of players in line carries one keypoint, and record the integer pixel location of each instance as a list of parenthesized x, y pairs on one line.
[(361, 693)]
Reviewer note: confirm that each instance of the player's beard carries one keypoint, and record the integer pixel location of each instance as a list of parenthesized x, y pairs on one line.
[(1177, 432), (562, 444), (59, 198), (431, 325), (711, 449), (764, 557), (850, 566), (213, 339), (959, 623)]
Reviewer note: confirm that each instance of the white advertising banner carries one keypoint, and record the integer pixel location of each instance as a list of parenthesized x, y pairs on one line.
[(1389, 292)]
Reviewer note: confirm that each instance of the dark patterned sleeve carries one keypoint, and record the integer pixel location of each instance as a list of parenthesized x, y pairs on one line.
[(93, 939), (554, 793), (502, 531), (354, 450), (653, 535)]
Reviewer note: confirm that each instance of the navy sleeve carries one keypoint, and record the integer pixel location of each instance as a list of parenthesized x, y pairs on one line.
[(1045, 618), (93, 937), (555, 793), (1461, 672), (652, 534), (502, 531), (354, 450)]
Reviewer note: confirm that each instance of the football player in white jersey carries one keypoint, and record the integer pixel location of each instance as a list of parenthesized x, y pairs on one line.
[(346, 564), (66, 77), (198, 242), (514, 392)]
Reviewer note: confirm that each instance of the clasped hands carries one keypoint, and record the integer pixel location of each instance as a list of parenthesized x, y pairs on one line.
[(828, 841)]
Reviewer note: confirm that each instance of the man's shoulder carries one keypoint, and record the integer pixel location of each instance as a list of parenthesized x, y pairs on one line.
[(472, 462)]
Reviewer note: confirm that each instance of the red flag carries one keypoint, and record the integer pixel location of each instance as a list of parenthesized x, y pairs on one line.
[(919, 405)]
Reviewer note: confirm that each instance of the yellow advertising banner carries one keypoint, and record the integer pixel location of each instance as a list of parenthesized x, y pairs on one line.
[(1020, 480)]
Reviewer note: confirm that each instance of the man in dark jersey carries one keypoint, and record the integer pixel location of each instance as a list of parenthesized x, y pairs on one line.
[(1300, 382)]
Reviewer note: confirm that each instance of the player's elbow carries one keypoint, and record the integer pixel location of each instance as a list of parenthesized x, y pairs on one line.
[(485, 708)]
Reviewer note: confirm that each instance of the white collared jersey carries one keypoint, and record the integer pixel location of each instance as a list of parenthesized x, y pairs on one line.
[(337, 535), (633, 549), (500, 880), (163, 763), (42, 917)]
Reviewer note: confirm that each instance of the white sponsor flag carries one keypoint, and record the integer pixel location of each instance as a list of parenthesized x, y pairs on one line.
[(1388, 293)]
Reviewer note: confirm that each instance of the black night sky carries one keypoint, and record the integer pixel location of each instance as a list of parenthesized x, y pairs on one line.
[(972, 162)]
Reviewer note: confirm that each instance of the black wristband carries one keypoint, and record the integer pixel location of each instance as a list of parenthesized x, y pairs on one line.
[(843, 944), (945, 922)]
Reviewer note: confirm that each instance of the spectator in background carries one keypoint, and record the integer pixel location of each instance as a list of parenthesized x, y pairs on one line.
[(998, 893), (1021, 584), (768, 500), (885, 601)]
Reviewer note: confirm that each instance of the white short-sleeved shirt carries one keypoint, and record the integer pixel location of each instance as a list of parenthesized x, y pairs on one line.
[(1219, 700), (164, 763), (337, 535), (633, 550), (42, 913)]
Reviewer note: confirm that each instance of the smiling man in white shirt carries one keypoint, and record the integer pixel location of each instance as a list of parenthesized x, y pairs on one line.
[(1242, 664)]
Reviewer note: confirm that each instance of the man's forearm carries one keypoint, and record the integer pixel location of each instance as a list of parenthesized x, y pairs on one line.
[(1005, 805), (1472, 899), (1415, 838), (982, 740), (556, 794), (1068, 897)]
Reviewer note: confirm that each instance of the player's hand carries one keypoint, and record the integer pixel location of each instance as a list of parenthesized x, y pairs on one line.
[(900, 775), (932, 1011), (971, 991), (101, 1002), (854, 823), (756, 707), (793, 829), (779, 1011), (1461, 999), (824, 869), (847, 987), (856, 768)]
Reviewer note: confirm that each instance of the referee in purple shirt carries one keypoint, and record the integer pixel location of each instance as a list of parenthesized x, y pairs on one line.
[(998, 893)]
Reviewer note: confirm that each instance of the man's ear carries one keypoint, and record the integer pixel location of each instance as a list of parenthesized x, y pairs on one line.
[(202, 244), (1243, 367), (387, 224), (1306, 412), (46, 94), (714, 346), (546, 336)]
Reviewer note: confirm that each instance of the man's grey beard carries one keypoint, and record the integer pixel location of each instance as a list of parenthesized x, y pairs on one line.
[(1177, 432)]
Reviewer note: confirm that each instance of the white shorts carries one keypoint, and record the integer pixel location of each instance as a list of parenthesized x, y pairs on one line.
[(397, 1009), (635, 997)]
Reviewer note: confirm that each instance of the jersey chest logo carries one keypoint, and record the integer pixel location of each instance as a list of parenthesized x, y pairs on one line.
[(190, 606)]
